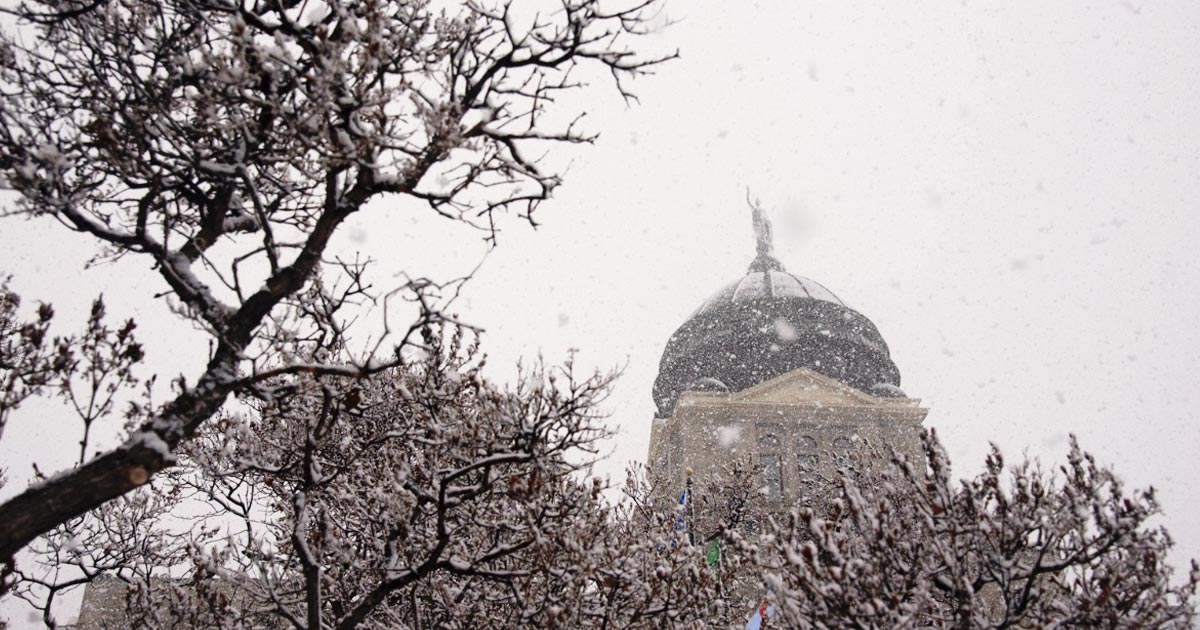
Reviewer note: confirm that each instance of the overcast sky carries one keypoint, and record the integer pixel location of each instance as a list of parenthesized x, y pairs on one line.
[(1008, 190)]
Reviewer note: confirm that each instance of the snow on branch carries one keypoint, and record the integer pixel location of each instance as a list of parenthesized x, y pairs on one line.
[(242, 135)]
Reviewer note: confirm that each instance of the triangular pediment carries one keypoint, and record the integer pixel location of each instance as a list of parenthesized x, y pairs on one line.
[(804, 386)]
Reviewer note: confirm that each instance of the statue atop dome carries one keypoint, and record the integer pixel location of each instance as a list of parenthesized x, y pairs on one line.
[(764, 237)]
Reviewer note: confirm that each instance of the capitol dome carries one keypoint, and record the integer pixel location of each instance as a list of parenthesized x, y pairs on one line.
[(767, 323)]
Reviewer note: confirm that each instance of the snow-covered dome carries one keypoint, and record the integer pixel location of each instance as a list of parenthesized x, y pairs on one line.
[(758, 285), (767, 323)]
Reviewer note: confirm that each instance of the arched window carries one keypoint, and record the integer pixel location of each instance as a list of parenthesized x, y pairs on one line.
[(806, 443), (842, 443), (768, 440)]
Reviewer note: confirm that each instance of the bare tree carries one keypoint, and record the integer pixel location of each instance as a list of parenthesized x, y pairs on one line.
[(912, 548), (425, 496), (29, 358), (420, 497), (226, 142)]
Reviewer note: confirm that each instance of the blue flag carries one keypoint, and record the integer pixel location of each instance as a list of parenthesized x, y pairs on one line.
[(681, 512)]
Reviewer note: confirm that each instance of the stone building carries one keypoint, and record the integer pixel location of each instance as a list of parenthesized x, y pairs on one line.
[(776, 368), (103, 605)]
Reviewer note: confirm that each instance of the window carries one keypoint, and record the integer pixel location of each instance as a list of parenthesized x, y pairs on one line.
[(768, 440), (806, 443), (846, 455), (806, 463), (772, 471)]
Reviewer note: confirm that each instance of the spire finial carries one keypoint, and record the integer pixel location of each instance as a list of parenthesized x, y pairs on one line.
[(765, 248)]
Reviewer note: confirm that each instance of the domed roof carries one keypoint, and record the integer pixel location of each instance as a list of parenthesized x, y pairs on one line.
[(759, 285), (767, 323)]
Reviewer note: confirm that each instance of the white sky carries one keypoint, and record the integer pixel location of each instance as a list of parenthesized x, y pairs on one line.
[(1008, 191)]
